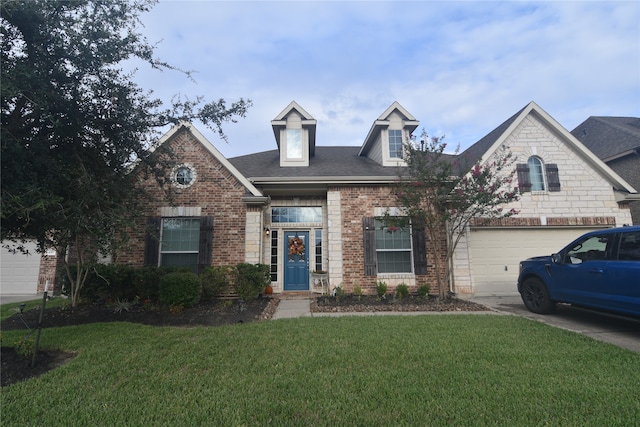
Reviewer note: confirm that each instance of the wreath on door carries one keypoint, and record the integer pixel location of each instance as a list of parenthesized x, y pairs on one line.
[(296, 247)]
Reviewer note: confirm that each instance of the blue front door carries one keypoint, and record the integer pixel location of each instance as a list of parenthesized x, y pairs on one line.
[(296, 265)]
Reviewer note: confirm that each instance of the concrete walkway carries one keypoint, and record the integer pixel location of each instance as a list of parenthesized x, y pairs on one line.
[(292, 308)]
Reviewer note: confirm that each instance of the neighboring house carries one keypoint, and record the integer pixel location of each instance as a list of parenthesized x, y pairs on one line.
[(303, 207), (565, 191), (616, 141)]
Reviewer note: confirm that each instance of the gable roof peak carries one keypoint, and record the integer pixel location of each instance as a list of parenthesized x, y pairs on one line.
[(395, 106), (293, 106)]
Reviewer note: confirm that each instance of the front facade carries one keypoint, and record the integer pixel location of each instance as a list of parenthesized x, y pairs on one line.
[(302, 208), (298, 208)]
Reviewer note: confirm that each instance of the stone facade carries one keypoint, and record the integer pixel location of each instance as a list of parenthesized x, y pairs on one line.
[(586, 198)]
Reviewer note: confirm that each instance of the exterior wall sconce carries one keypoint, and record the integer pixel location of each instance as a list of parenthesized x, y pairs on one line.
[(267, 231)]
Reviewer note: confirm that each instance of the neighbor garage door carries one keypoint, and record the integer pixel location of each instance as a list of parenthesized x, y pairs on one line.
[(19, 272), (496, 254)]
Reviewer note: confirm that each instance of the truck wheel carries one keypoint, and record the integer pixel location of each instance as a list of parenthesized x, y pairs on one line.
[(536, 297)]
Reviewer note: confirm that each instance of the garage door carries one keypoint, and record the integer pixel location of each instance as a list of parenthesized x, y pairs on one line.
[(19, 272), (496, 254)]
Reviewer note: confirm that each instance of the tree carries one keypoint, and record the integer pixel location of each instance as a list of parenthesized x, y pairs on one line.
[(74, 122), (439, 194)]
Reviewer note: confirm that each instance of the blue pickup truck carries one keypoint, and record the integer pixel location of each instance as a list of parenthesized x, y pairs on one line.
[(599, 270)]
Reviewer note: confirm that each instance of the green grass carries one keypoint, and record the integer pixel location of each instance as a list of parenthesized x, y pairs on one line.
[(7, 310), (463, 370)]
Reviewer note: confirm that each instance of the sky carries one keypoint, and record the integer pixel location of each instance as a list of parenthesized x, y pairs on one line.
[(459, 67)]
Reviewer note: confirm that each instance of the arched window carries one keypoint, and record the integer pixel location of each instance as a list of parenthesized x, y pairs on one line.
[(536, 174)]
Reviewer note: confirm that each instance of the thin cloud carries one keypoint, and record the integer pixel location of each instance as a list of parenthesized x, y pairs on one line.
[(461, 68)]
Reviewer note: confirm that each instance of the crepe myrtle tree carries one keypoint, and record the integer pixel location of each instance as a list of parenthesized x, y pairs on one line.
[(439, 193), (74, 122)]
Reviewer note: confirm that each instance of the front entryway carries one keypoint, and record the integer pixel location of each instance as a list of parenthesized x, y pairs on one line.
[(296, 261)]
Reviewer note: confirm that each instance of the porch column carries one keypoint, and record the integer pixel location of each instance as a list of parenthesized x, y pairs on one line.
[(334, 237)]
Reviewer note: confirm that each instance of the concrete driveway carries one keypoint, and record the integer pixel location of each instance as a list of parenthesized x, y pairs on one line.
[(621, 331)]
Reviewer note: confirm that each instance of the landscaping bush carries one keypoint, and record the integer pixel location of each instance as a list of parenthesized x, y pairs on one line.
[(423, 291), (402, 291), (214, 280), (381, 289), (251, 279), (180, 289), (104, 281), (146, 280), (357, 292)]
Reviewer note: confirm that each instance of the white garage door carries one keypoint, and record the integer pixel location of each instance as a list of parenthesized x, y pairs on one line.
[(19, 272), (496, 254)]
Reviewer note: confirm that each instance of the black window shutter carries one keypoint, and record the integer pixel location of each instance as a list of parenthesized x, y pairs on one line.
[(152, 241), (205, 248), (524, 180), (369, 234), (553, 179), (419, 252)]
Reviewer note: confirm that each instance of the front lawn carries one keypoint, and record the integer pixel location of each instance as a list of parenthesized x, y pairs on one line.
[(418, 370)]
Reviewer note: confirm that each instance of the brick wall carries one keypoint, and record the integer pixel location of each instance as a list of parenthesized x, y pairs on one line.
[(216, 192), (357, 203)]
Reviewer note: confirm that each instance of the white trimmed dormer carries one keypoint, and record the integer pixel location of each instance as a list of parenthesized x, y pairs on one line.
[(388, 135), (295, 132)]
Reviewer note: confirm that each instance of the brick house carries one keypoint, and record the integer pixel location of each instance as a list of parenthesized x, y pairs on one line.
[(301, 208)]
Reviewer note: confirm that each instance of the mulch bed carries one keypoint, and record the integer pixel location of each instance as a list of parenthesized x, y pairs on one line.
[(371, 303)]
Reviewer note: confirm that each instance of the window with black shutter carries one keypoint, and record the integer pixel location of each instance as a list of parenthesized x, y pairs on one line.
[(152, 241), (369, 229), (553, 178), (205, 250), (524, 180)]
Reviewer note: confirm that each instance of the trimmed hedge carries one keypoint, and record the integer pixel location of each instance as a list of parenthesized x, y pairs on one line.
[(180, 289), (251, 279)]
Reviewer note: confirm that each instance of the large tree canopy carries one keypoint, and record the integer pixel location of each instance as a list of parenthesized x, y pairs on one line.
[(74, 121)]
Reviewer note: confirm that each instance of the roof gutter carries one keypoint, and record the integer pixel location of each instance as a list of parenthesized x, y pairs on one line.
[(623, 196), (324, 180)]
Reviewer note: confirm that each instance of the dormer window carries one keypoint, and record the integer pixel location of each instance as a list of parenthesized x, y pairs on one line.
[(294, 143), (295, 132), (385, 142), (395, 144)]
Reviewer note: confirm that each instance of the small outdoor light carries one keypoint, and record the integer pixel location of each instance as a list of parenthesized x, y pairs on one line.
[(22, 306), (267, 231)]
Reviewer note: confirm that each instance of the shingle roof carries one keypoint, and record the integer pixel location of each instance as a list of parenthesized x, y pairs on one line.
[(327, 162), (609, 137), (472, 154)]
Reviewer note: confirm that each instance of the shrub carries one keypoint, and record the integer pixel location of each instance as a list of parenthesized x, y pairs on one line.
[(146, 280), (180, 288), (381, 289), (357, 291), (104, 281), (251, 279), (423, 291), (339, 292), (402, 291), (24, 347), (214, 280)]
